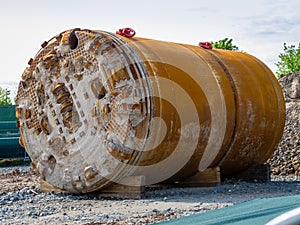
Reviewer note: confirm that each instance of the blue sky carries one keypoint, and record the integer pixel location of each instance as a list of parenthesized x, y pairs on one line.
[(259, 27)]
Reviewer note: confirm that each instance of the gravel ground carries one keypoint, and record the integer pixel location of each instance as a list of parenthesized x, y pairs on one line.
[(22, 202)]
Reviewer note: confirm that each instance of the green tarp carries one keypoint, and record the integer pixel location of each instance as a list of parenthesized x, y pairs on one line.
[(258, 212)]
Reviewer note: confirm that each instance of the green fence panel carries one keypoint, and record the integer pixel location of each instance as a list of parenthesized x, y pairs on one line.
[(9, 133), (8, 125), (8, 113), (10, 148)]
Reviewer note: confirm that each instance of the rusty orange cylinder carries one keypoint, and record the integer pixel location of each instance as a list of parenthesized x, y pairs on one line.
[(95, 108)]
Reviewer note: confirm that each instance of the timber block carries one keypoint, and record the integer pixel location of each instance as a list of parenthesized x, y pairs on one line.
[(128, 187), (207, 178), (46, 187)]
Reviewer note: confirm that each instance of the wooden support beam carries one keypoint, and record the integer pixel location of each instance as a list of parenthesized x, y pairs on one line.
[(207, 178), (134, 188), (46, 187)]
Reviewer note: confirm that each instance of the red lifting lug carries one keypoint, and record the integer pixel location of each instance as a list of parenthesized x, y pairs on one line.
[(206, 45), (126, 32)]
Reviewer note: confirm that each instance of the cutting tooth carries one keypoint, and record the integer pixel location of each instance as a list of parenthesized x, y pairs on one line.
[(45, 125), (66, 107), (57, 88), (62, 97)]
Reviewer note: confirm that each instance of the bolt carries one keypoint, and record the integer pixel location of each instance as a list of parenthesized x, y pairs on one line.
[(65, 152), (90, 172)]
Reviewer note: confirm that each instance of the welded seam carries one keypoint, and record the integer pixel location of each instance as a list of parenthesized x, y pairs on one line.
[(233, 87)]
